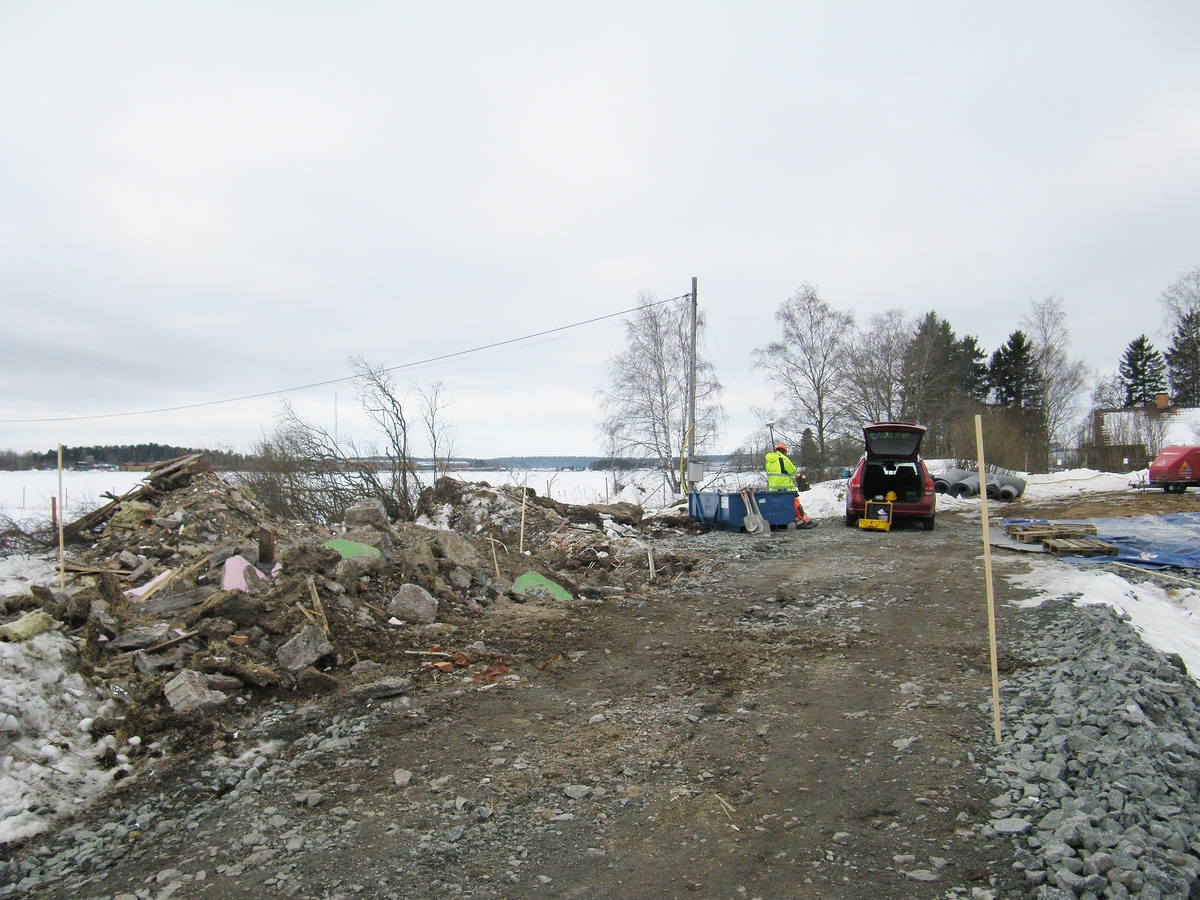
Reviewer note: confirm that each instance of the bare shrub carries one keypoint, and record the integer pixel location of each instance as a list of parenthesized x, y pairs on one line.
[(302, 471)]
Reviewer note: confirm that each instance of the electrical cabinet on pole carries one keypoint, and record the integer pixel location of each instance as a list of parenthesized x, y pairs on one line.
[(694, 470)]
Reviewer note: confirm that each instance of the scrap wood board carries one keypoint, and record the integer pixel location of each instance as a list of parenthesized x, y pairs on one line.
[(1036, 534), (1079, 547)]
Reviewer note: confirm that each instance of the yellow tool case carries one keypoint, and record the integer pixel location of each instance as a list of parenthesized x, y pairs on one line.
[(878, 516)]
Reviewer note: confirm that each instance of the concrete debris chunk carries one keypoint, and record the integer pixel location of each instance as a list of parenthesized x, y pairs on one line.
[(391, 686), (369, 513), (307, 647), (188, 690), (412, 603)]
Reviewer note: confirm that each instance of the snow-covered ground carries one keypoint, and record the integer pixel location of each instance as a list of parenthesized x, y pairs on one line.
[(1167, 617), (25, 496), (46, 756)]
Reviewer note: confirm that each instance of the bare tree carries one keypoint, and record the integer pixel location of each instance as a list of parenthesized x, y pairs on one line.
[(1108, 392), (808, 366), (1063, 378), (648, 393), (302, 471), (299, 471), (611, 432), (383, 404), (1182, 299), (875, 377), (441, 434), (1138, 426)]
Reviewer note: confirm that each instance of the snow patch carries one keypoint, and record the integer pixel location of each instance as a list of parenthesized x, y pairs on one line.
[(1167, 619)]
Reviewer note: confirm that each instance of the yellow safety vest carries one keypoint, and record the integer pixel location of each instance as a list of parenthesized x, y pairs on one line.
[(780, 472)]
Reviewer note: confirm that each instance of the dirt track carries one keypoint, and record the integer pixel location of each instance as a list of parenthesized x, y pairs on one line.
[(799, 718)]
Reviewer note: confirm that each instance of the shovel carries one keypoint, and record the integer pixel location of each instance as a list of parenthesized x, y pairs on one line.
[(754, 523)]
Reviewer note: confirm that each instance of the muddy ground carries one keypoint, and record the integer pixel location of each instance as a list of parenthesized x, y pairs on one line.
[(805, 715)]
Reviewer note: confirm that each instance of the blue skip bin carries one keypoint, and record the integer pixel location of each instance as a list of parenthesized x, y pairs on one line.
[(718, 509)]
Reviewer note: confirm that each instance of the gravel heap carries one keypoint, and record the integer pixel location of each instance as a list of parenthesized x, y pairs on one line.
[(1100, 765)]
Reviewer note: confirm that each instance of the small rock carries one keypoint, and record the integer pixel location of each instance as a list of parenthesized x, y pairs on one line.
[(922, 875), (412, 603), (577, 791), (368, 513), (842, 837), (392, 686), (307, 647), (188, 690), (139, 639), (1013, 825), (402, 777)]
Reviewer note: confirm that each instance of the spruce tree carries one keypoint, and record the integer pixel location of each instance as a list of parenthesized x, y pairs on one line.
[(1013, 375), (1183, 361), (1143, 372)]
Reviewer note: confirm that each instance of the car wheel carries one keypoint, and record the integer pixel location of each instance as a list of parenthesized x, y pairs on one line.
[(851, 520), (929, 523)]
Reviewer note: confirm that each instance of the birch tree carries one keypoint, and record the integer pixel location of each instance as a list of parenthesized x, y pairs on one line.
[(1063, 379), (808, 365), (647, 395)]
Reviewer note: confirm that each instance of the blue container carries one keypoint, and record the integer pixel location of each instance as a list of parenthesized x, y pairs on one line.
[(718, 509)]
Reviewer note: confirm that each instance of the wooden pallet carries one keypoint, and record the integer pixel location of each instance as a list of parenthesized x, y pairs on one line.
[(1079, 547), (1036, 534)]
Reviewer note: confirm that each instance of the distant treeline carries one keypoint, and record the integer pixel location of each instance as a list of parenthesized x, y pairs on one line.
[(628, 463), (111, 455)]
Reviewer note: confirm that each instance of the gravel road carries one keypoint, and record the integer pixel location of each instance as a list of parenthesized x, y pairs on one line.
[(805, 715)]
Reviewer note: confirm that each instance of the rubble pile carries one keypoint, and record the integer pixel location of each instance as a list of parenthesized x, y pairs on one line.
[(605, 547), (189, 604)]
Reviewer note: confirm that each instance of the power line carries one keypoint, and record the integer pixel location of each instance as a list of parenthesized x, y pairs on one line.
[(304, 387)]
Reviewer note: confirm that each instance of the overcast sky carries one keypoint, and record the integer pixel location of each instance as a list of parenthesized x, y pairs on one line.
[(207, 200)]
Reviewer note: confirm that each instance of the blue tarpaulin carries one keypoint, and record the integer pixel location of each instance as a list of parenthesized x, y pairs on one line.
[(1156, 542)]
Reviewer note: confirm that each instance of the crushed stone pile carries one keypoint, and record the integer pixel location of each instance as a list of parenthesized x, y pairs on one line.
[(190, 609), (1101, 777)]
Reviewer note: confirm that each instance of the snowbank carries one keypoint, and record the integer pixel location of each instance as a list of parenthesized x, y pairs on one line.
[(1167, 619), (47, 759)]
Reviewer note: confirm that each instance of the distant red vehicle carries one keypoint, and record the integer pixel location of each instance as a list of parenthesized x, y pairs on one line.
[(892, 464), (1176, 469)]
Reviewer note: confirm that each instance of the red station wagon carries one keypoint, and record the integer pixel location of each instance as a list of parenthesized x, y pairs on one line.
[(892, 464)]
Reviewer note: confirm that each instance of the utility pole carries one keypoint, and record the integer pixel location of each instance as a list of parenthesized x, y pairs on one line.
[(691, 434)]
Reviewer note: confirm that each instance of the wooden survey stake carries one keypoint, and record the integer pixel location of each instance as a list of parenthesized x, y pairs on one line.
[(987, 575)]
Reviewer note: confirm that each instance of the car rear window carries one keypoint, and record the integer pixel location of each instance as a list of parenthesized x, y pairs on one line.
[(893, 443)]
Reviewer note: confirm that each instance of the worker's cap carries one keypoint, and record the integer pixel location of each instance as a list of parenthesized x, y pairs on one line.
[(782, 448)]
